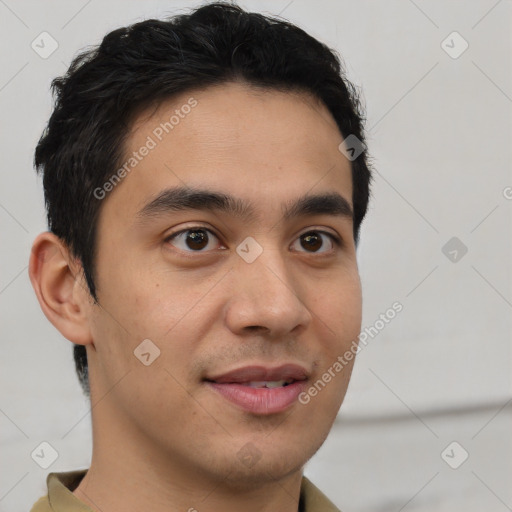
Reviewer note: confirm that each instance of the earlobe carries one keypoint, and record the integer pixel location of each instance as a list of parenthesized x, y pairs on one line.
[(59, 288)]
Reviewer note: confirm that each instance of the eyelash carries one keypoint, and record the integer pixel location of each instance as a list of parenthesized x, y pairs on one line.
[(337, 241)]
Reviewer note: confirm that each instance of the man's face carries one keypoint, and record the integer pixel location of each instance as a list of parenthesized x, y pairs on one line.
[(189, 280)]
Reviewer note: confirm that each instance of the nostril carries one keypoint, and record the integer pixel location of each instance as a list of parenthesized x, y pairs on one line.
[(256, 328)]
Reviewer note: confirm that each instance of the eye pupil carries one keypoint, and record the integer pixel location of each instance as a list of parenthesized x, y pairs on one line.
[(197, 239), (311, 241)]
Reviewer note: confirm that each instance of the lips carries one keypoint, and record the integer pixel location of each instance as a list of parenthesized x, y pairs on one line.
[(261, 390), (286, 372)]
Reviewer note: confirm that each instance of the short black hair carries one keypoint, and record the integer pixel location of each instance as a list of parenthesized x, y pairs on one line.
[(148, 62)]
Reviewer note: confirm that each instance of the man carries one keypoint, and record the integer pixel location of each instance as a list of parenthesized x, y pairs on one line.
[(205, 179)]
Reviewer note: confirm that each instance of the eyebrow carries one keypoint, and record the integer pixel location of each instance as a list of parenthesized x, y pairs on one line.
[(189, 198)]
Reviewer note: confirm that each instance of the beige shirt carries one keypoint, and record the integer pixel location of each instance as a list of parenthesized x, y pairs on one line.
[(60, 497)]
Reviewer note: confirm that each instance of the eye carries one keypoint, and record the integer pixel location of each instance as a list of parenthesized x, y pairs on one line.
[(315, 241), (194, 239)]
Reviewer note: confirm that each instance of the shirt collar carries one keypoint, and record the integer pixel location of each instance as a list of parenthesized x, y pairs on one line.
[(61, 498)]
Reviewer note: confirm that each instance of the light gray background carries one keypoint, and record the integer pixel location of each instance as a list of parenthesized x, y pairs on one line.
[(439, 130)]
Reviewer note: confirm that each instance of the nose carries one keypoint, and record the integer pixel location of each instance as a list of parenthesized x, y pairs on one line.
[(266, 298)]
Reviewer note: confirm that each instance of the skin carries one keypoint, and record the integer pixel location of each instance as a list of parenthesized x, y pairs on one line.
[(162, 439)]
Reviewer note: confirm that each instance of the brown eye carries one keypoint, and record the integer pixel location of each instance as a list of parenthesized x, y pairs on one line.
[(317, 242), (311, 241), (193, 240), (196, 239)]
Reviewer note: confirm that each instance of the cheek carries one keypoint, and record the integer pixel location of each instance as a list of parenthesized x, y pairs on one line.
[(148, 300), (139, 347), (150, 303), (339, 307)]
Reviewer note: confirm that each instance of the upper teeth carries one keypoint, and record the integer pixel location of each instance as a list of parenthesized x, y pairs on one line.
[(267, 383)]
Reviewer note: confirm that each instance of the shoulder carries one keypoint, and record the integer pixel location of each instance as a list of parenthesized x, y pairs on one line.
[(41, 505), (60, 493), (312, 499)]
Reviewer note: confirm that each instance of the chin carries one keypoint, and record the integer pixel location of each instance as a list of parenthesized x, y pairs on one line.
[(269, 460), (262, 474)]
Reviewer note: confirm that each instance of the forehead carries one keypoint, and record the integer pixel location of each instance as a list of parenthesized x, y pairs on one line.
[(244, 141)]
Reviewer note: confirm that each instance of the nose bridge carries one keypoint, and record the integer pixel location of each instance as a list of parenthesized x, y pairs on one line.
[(266, 296)]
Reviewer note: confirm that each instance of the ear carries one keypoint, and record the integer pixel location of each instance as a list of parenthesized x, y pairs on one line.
[(60, 288)]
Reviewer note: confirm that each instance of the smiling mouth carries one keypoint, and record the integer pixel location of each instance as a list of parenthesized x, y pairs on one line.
[(268, 384), (261, 390)]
